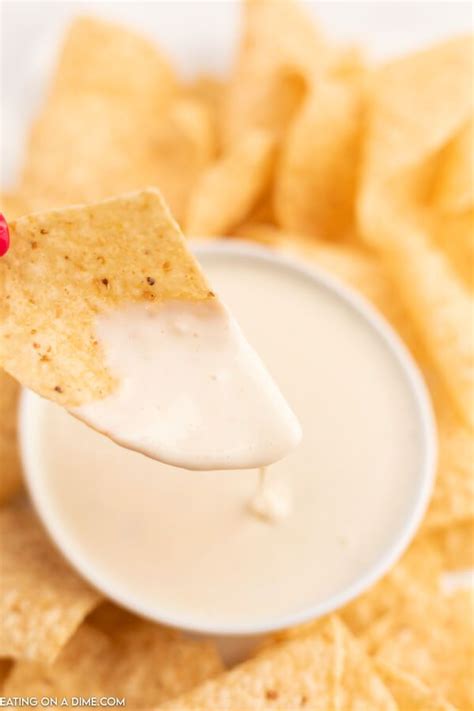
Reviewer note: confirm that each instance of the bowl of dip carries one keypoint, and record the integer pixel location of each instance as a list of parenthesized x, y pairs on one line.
[(211, 552)]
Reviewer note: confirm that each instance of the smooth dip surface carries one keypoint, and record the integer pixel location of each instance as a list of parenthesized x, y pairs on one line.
[(183, 546), (191, 392)]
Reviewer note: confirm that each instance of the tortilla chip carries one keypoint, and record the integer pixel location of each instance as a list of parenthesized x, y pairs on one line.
[(122, 151), (409, 692), (452, 499), (417, 104), (432, 638), (229, 190), (110, 157), (454, 188), (456, 546), (206, 88), (209, 91), (357, 684), (98, 128), (263, 212), (441, 308), (321, 671), (453, 233), (352, 670), (123, 656), (105, 58), (114, 155), (439, 304), (87, 650), (127, 249), (453, 496), (42, 600), (10, 465), (317, 173), (184, 145), (348, 63), (280, 51)]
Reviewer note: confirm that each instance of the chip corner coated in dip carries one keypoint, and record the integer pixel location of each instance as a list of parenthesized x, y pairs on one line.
[(107, 312), (187, 549), (192, 392)]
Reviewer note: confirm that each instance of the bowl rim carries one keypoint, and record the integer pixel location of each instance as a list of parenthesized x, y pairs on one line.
[(420, 496)]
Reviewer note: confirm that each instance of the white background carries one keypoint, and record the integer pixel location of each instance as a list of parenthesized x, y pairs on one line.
[(199, 35)]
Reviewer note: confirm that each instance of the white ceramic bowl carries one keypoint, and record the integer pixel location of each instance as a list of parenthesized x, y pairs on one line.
[(419, 496)]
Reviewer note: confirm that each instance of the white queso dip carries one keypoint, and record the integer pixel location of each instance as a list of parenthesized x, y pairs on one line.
[(191, 548)]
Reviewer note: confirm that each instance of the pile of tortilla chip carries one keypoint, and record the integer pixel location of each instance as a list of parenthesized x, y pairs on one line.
[(364, 169)]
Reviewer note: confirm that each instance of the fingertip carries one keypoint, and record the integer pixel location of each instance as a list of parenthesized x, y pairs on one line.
[(4, 236)]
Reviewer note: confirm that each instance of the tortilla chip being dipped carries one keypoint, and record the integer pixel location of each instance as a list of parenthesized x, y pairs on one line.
[(67, 265), (100, 303)]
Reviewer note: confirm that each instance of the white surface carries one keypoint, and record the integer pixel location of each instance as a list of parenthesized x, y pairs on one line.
[(199, 35), (391, 537)]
